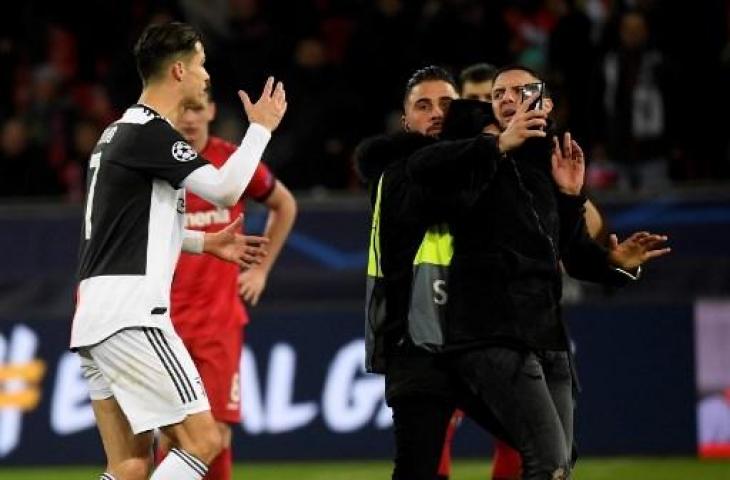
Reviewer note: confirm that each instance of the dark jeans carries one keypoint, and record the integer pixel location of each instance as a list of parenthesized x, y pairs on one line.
[(530, 394), (420, 423)]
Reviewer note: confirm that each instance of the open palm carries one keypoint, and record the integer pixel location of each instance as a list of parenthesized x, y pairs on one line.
[(636, 250), (568, 165)]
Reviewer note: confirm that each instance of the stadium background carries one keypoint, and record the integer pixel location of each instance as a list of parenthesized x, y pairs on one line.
[(648, 355)]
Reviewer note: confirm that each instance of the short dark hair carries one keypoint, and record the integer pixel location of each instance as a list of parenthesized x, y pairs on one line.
[(509, 68), (428, 74), (159, 43), (477, 73)]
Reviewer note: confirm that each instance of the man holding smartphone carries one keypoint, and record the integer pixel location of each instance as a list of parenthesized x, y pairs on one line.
[(419, 387), (508, 341)]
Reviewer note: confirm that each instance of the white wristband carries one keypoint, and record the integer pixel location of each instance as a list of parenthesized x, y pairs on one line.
[(632, 276), (193, 241)]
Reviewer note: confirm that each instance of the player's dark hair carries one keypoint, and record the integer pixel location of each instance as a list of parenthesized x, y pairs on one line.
[(427, 74), (477, 73), (160, 43)]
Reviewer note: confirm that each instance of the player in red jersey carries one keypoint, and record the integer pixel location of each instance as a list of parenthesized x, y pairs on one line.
[(207, 311)]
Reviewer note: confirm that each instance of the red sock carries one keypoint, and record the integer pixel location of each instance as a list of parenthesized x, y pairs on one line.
[(507, 462), (222, 466), (445, 464), (160, 455)]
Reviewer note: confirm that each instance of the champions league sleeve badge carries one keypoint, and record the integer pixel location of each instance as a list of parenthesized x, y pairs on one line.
[(183, 152)]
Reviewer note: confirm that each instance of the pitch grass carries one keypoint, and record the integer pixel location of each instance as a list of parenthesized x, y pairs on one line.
[(587, 469)]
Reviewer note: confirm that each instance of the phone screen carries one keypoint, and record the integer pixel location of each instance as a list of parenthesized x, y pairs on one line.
[(533, 92)]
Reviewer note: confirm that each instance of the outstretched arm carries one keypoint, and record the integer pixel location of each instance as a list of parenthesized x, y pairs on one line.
[(460, 163), (228, 244), (454, 164), (585, 259)]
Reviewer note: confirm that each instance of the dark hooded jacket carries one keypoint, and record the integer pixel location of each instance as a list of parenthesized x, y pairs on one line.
[(511, 231), (405, 214), (407, 210), (511, 227)]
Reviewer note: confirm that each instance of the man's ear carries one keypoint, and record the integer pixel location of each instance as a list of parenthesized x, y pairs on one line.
[(548, 104), (178, 69), (406, 127)]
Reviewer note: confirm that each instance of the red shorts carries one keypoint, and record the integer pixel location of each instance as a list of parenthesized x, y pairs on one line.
[(218, 360)]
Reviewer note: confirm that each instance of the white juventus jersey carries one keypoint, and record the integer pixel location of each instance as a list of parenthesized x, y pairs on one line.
[(133, 226)]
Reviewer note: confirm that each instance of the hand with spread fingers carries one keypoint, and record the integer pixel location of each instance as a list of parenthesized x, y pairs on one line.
[(230, 245), (568, 165), (636, 250), (270, 107)]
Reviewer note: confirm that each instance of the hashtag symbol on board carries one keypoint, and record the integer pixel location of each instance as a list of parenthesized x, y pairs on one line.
[(30, 374)]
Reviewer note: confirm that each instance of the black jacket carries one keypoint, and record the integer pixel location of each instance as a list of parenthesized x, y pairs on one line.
[(426, 183), (511, 229), (406, 212), (409, 208)]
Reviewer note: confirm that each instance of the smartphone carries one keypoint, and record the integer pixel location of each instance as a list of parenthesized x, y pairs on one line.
[(534, 92)]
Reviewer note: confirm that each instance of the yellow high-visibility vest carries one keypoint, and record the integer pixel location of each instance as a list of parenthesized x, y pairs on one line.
[(429, 288), (429, 295), (375, 297)]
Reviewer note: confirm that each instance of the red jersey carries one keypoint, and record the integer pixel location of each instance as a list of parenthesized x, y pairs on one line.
[(204, 290)]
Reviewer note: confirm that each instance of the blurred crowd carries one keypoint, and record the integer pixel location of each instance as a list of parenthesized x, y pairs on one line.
[(635, 81)]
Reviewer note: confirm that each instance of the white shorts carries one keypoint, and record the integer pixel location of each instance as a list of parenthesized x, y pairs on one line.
[(150, 374)]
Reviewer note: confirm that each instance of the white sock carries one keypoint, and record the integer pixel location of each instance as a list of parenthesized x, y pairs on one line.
[(106, 476), (179, 465)]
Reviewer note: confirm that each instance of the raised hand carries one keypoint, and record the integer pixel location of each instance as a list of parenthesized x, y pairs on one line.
[(636, 250), (270, 107), (230, 245), (568, 165), (523, 125)]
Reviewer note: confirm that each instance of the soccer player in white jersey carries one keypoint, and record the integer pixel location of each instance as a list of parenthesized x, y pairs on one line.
[(140, 375)]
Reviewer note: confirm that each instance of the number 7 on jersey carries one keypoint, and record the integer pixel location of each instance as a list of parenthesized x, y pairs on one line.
[(94, 165)]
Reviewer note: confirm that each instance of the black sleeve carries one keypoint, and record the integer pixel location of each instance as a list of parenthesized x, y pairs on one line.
[(587, 260), (161, 152), (571, 211), (455, 171)]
